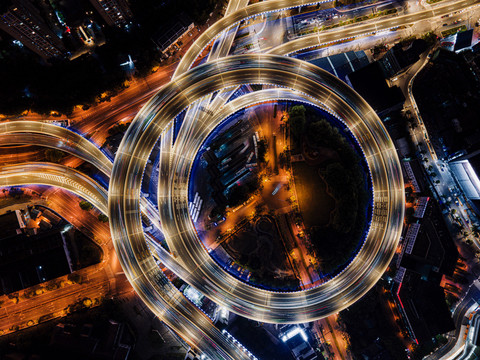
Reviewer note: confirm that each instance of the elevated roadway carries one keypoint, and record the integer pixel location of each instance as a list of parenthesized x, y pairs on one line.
[(55, 175), (173, 308), (39, 133), (204, 273), (320, 38), (367, 28), (213, 281)]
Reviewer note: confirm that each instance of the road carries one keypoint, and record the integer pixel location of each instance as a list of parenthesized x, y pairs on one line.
[(98, 280), (443, 189), (42, 134), (201, 271), (55, 175), (456, 342), (323, 37), (67, 203), (176, 311), (53, 303), (443, 184), (136, 255), (18, 154), (97, 120)]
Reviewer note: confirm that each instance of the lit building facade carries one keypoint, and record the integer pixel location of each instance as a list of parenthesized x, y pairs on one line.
[(24, 22), (114, 12)]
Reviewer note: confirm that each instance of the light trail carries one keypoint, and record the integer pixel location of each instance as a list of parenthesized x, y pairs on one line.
[(172, 307), (204, 273), (323, 37), (38, 133), (55, 175), (130, 244)]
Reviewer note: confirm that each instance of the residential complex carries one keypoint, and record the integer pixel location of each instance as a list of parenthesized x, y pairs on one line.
[(25, 22)]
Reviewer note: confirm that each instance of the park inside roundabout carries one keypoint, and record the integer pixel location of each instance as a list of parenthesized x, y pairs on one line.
[(280, 194)]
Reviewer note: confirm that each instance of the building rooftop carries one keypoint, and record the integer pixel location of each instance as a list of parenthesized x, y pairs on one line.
[(423, 264), (450, 112), (342, 64), (9, 224), (370, 83), (434, 250), (169, 33), (424, 304), (29, 260), (464, 40)]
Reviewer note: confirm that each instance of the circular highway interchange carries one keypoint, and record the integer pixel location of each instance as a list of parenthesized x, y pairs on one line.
[(190, 260), (208, 87), (204, 87)]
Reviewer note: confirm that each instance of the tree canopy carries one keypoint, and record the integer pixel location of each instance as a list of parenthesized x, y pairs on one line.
[(85, 205), (296, 121)]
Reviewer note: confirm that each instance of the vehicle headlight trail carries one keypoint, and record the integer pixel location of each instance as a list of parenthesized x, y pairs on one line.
[(296, 80), (205, 274)]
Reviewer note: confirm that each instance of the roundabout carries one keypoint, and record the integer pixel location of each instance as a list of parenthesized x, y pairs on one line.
[(190, 260), (263, 200), (205, 94)]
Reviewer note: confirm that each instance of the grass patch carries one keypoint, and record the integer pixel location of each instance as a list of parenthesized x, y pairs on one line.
[(454, 30), (314, 201)]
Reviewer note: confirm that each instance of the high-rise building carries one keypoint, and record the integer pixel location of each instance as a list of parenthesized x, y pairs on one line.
[(114, 12), (24, 21)]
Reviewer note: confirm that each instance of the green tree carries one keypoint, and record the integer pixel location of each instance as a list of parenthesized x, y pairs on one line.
[(238, 195), (451, 299), (262, 150), (337, 177), (85, 205), (475, 230), (217, 212), (297, 121), (103, 218), (321, 133), (409, 214), (430, 38)]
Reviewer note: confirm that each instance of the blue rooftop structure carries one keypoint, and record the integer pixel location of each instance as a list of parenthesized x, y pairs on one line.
[(342, 64)]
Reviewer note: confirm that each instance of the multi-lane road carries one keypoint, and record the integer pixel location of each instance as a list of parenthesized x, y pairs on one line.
[(201, 270), (43, 134), (52, 303), (55, 175), (192, 262), (172, 307), (320, 38)]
